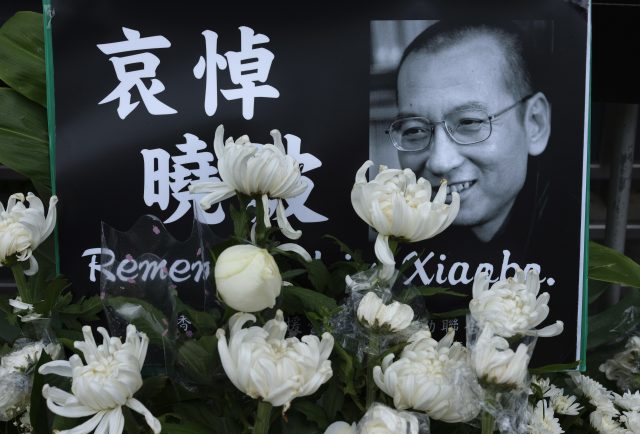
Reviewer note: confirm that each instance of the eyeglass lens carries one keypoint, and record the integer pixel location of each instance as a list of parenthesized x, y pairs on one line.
[(465, 127)]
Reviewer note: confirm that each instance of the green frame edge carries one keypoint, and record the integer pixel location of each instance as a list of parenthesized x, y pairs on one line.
[(585, 276), (47, 16)]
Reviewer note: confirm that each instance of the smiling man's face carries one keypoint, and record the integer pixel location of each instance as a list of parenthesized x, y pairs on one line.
[(487, 175)]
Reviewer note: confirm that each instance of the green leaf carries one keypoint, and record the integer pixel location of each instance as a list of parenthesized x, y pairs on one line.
[(8, 332), (85, 309), (51, 295), (345, 369), (296, 423), (38, 411), (615, 322), (22, 55), (131, 425), (199, 358), (185, 427), (24, 143), (597, 289), (152, 386), (146, 317), (356, 255), (332, 399), (302, 300), (290, 274), (319, 275), (311, 411), (609, 265), (200, 414), (558, 367), (415, 291)]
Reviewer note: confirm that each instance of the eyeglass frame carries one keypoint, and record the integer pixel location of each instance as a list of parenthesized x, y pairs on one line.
[(491, 118)]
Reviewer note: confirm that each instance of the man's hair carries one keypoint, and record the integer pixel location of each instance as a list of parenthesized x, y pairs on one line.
[(518, 54)]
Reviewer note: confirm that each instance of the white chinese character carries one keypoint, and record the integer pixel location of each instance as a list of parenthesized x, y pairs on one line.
[(432, 325), (248, 66), (210, 64), (133, 77), (449, 323), (192, 165), (183, 323), (445, 325)]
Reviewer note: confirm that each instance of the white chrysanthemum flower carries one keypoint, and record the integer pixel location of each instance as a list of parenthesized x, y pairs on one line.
[(561, 403), (543, 383), (631, 420), (430, 376), (496, 363), (260, 362), (373, 313), (252, 169), (596, 393), (23, 229), (380, 419), (604, 423), (512, 306), (542, 420), (103, 384), (341, 427), (397, 205), (628, 401)]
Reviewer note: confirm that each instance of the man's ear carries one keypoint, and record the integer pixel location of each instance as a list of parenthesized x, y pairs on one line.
[(537, 123)]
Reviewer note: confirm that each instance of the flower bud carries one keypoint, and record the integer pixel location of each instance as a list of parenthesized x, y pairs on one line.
[(247, 278), (373, 313)]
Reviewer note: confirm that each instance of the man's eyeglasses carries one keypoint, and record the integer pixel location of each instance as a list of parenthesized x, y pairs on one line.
[(465, 127)]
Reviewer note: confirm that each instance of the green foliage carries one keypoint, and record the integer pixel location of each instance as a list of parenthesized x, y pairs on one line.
[(24, 142), (554, 368), (22, 56), (411, 292), (609, 265), (38, 410), (198, 359), (297, 300), (615, 323)]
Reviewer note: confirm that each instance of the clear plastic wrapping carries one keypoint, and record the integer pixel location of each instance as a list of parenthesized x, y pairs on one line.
[(501, 366), (373, 316)]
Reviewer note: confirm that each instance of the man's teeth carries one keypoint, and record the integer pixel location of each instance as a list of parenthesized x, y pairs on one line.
[(458, 187)]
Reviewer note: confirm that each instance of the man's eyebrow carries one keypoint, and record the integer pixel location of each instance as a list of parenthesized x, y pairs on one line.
[(469, 105)]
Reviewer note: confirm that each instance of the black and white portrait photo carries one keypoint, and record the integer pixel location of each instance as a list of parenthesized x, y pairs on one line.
[(494, 109)]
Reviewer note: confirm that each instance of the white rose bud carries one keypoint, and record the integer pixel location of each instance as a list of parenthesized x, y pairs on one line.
[(247, 278)]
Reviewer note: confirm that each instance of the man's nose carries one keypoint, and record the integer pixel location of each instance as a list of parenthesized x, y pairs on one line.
[(445, 154)]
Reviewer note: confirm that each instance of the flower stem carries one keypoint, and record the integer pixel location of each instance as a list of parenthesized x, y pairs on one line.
[(21, 283), (261, 229), (488, 422), (372, 357), (263, 418)]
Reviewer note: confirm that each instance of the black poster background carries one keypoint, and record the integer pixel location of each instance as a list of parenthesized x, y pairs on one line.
[(321, 70)]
